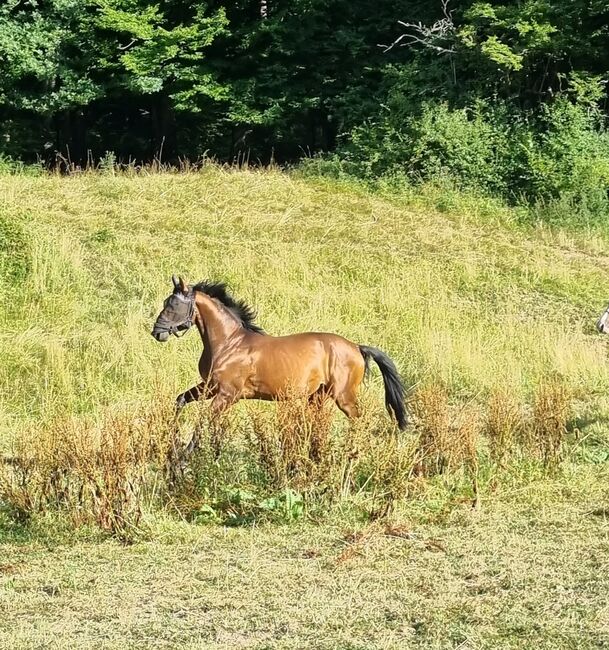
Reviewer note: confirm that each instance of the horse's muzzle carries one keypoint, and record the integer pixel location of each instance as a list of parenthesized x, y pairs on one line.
[(160, 336)]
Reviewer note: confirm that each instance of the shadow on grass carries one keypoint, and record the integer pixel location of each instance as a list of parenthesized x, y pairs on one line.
[(49, 529), (13, 530)]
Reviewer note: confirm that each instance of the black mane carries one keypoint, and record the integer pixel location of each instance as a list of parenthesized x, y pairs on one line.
[(245, 313)]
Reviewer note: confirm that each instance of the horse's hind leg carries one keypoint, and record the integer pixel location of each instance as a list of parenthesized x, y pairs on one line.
[(318, 432), (345, 391), (347, 403), (317, 399)]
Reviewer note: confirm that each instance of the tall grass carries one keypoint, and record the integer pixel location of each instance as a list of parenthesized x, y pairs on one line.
[(455, 300), (504, 424)]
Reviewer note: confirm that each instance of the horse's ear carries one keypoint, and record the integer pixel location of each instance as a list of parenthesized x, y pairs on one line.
[(176, 283), (183, 285)]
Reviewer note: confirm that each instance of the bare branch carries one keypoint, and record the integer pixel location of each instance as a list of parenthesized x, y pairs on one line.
[(432, 37), (126, 47), (448, 14)]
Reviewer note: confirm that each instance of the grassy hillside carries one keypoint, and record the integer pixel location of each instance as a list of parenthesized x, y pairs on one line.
[(475, 304), (462, 299)]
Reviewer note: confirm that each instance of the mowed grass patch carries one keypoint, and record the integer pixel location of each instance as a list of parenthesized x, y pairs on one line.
[(530, 570)]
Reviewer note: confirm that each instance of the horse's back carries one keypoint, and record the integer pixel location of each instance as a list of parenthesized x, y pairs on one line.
[(321, 336), (323, 341), (306, 361), (312, 359)]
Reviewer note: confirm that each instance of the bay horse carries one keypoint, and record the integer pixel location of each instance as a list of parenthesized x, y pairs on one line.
[(240, 361)]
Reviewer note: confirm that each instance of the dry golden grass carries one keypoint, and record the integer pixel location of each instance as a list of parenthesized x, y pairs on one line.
[(293, 441), (448, 435), (504, 424), (551, 410), (434, 424), (91, 471), (293, 449)]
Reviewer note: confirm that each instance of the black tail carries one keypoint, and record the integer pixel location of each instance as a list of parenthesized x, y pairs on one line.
[(395, 393)]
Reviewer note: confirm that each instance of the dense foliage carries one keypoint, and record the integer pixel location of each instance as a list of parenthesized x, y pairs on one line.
[(506, 97)]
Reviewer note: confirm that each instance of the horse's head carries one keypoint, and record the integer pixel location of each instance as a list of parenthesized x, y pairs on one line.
[(178, 312)]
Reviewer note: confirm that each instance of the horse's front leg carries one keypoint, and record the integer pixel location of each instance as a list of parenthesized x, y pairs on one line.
[(178, 453), (220, 403), (200, 391)]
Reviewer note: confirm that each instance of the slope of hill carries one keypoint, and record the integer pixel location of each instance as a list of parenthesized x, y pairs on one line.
[(475, 304), (472, 303)]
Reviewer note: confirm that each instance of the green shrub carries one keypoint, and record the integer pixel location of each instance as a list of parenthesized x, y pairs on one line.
[(462, 143), (567, 167), (554, 161), (9, 165)]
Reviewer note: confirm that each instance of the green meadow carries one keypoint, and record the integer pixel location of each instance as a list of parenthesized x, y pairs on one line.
[(469, 303)]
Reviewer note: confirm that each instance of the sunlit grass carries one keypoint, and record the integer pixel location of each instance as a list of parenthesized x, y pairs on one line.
[(473, 304), (478, 313)]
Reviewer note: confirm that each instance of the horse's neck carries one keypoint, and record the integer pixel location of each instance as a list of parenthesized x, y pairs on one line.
[(216, 324)]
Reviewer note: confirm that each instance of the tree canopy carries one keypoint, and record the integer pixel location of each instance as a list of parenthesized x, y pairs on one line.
[(278, 78)]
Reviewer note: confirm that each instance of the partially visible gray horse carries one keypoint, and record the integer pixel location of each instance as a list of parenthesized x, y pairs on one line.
[(602, 324)]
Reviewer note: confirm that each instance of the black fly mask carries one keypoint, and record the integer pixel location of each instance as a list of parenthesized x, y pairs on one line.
[(177, 314)]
